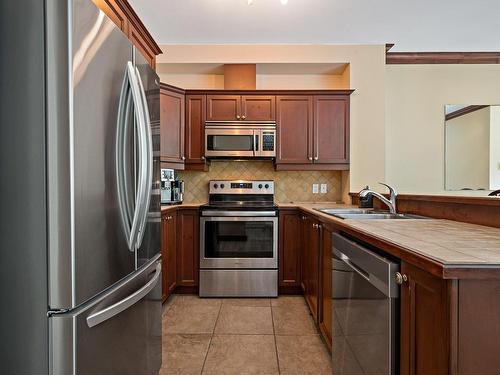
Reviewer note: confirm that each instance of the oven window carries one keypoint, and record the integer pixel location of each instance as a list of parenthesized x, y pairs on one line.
[(239, 239), (230, 143)]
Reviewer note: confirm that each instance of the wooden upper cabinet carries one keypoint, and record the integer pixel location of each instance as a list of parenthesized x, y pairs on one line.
[(331, 129), (122, 14), (195, 130), (223, 107), (425, 323), (172, 114), (295, 129), (258, 108)]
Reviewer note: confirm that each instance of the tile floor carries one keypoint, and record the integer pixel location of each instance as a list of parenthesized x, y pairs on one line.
[(240, 337)]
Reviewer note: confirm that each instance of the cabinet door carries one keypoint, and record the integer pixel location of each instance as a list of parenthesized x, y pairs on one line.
[(311, 258), (258, 108), (223, 107), (290, 249), (168, 254), (295, 129), (331, 129), (172, 126), (424, 323), (187, 247), (195, 129), (325, 316)]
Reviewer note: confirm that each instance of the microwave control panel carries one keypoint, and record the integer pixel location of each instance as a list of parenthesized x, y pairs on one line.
[(267, 141)]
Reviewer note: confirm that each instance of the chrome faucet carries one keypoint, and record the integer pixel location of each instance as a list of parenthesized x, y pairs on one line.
[(391, 202)]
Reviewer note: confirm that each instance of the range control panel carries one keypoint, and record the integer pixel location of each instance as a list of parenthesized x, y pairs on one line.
[(241, 187)]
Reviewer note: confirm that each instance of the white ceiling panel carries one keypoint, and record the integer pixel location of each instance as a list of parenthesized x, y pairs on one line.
[(413, 25)]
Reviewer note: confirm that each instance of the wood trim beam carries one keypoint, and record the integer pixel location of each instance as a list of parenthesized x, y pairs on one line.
[(442, 57), (139, 26), (269, 92), (464, 111)]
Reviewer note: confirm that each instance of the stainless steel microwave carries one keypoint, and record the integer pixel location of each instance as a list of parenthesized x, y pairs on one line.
[(240, 140)]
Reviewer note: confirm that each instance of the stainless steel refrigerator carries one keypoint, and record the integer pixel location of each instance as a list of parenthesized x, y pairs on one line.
[(80, 194)]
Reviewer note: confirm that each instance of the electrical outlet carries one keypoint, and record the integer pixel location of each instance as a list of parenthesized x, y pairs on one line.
[(323, 189), (315, 188)]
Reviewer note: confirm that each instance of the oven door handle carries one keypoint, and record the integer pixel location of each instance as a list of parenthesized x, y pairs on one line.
[(239, 213)]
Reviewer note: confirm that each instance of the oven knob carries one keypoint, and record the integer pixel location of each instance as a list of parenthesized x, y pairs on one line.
[(260, 186), (266, 186), (216, 186), (222, 186)]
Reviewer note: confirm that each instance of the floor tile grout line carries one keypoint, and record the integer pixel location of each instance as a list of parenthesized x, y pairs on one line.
[(211, 338), (275, 344)]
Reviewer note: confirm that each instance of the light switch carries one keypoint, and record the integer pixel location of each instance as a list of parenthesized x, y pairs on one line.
[(323, 189), (315, 188)]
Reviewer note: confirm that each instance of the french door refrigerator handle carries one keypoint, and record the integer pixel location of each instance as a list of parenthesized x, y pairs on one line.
[(128, 101), (147, 160), (116, 308)]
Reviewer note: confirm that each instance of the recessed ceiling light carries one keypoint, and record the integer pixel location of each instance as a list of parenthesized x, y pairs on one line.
[(284, 2)]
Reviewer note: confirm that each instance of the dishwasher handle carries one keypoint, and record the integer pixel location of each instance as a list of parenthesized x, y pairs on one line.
[(360, 271)]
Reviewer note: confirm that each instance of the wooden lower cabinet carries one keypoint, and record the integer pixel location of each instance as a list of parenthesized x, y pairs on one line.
[(168, 253), (325, 303), (187, 248), (290, 248), (180, 251), (311, 265), (425, 323)]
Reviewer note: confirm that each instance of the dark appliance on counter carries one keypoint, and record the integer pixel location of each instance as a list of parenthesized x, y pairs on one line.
[(80, 259), (239, 240), (172, 190), (365, 305)]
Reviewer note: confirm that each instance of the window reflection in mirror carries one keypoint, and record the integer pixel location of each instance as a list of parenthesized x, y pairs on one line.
[(472, 149)]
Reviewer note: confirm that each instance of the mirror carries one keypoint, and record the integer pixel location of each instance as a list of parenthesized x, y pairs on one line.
[(472, 147)]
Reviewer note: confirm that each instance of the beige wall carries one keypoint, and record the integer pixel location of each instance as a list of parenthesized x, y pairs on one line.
[(467, 153), (290, 186), (416, 95), (495, 147), (365, 74)]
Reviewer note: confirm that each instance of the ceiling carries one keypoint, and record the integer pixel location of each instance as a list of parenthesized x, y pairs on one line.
[(422, 25)]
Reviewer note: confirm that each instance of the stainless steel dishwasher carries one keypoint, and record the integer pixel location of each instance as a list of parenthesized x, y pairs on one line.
[(365, 311)]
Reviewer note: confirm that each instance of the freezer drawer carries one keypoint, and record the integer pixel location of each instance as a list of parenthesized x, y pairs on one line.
[(118, 332)]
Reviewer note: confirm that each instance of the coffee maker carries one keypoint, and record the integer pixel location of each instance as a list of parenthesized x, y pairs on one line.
[(172, 190)]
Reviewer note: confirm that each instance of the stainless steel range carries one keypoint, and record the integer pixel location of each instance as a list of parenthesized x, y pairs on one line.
[(239, 240)]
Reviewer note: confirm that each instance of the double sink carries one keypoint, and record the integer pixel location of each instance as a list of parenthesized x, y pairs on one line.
[(365, 214)]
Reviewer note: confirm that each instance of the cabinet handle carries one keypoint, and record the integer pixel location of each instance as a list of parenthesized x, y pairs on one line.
[(238, 117), (316, 158), (310, 158), (202, 158), (401, 278), (183, 158), (243, 117)]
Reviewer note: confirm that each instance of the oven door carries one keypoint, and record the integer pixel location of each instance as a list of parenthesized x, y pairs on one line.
[(224, 142), (238, 242)]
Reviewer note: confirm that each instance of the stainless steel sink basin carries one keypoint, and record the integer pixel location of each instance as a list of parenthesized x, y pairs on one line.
[(378, 216), (341, 211), (365, 214)]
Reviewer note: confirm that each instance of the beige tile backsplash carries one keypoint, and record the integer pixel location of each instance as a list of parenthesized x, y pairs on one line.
[(292, 186)]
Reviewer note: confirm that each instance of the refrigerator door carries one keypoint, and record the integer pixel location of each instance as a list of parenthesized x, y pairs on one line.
[(88, 248), (118, 332), (149, 245)]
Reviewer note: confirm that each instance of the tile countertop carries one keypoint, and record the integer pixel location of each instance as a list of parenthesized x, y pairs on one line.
[(450, 244)]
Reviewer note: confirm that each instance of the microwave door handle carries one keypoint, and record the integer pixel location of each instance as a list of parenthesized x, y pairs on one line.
[(256, 144)]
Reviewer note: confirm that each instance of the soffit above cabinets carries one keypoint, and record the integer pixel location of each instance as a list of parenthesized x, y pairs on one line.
[(262, 69)]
